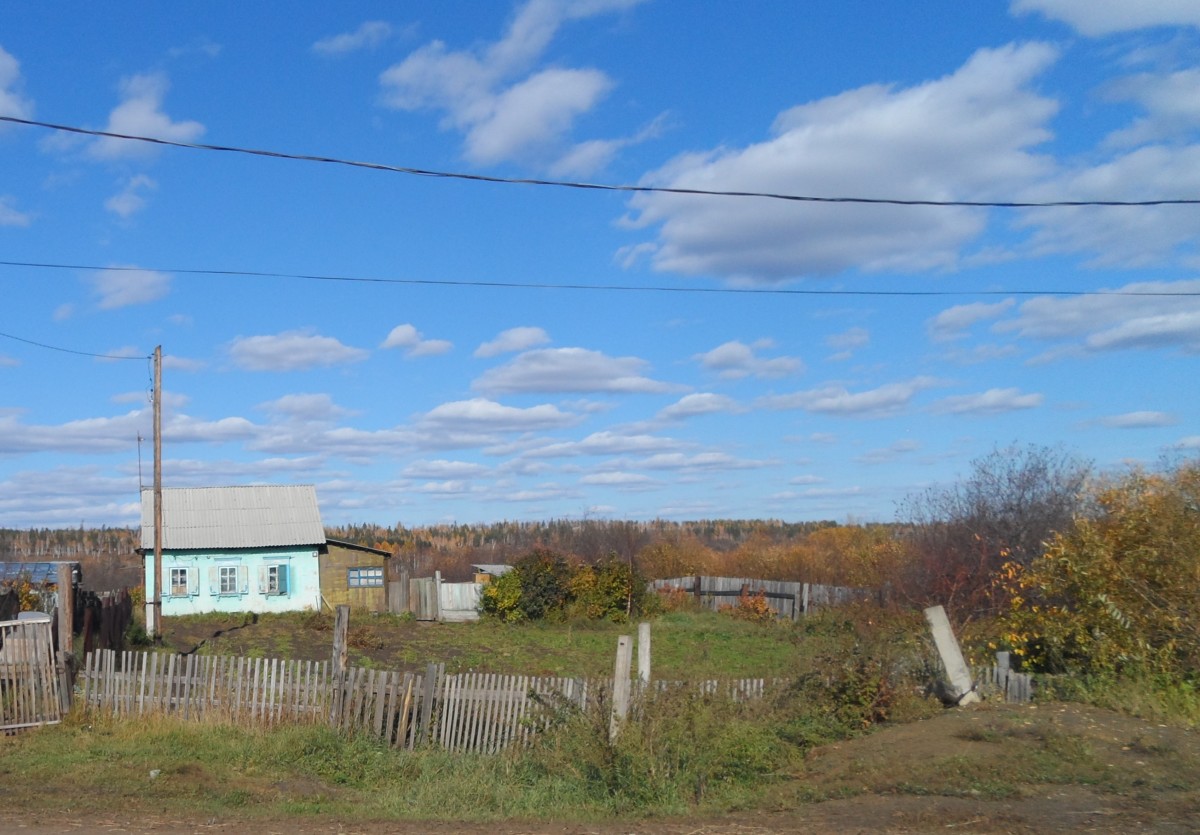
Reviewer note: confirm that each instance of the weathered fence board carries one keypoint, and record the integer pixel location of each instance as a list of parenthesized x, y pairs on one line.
[(478, 712), (29, 694), (788, 599)]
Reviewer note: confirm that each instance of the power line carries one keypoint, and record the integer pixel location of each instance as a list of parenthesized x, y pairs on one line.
[(483, 178), (624, 288), (71, 350)]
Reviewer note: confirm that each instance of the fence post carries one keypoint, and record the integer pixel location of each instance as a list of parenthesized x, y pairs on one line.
[(341, 628), (620, 709), (698, 591), (66, 636), (644, 653), (437, 596), (1003, 667), (962, 690)]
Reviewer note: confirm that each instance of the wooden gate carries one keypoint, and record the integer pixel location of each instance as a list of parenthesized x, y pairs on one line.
[(28, 679)]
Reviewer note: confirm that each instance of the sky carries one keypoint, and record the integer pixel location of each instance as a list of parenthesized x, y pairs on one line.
[(431, 350)]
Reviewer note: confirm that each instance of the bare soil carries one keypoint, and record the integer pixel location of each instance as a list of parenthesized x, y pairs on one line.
[(1045, 768)]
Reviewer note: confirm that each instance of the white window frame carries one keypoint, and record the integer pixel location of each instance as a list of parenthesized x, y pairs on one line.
[(365, 577), (179, 582)]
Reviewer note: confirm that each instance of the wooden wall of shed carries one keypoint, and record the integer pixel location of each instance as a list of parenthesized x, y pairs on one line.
[(335, 585)]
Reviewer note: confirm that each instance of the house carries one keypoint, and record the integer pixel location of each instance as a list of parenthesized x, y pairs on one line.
[(486, 572), (258, 548)]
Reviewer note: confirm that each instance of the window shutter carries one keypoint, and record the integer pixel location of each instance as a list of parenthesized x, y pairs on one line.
[(193, 575), (214, 581), (165, 590), (243, 578), (263, 579), (282, 568)]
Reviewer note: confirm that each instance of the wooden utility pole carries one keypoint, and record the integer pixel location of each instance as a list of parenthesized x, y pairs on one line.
[(155, 629)]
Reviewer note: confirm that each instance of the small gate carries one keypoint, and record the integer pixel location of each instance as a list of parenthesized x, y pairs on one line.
[(28, 679)]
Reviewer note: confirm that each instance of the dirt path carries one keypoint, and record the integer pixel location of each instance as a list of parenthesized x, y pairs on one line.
[(1051, 768)]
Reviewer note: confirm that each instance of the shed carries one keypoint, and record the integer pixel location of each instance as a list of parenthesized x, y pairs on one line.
[(484, 572), (354, 575)]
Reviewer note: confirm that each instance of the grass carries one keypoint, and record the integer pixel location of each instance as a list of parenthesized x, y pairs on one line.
[(687, 645)]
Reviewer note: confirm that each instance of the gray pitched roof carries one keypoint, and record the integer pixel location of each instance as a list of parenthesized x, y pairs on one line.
[(252, 516)]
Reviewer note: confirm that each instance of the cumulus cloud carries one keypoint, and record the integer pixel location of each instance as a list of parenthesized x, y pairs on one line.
[(1130, 237), (131, 198), (1095, 18), (954, 322), (367, 36), (1111, 321), (569, 370), (296, 350), (885, 455), (140, 114), (443, 469), (621, 481), (735, 360), (608, 443), (12, 102), (414, 344), (837, 400), (483, 415), (305, 407), (125, 285), (1138, 420), (991, 402), (873, 141), (513, 340), (491, 94), (1170, 104), (699, 462), (693, 405)]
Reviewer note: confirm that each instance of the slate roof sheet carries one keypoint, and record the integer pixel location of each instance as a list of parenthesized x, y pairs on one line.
[(251, 516)]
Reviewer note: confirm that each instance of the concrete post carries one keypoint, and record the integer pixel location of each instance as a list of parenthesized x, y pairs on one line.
[(961, 687)]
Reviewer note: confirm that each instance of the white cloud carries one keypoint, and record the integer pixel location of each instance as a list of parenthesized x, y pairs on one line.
[(621, 481), (1171, 102), (1095, 18), (482, 415), (128, 285), (953, 322), (443, 469), (512, 341), (991, 402), (8, 362), (735, 360), (140, 114), (693, 405), (1138, 420), (12, 103), (414, 344), (608, 443), (295, 350), (131, 198), (1131, 237), (10, 215), (836, 400), (1190, 442), (701, 461), (887, 454), (305, 407), (1111, 321), (489, 94), (569, 370), (874, 141), (367, 36)]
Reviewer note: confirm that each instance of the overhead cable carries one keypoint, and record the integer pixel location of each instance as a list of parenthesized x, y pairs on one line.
[(484, 178), (72, 351), (623, 288)]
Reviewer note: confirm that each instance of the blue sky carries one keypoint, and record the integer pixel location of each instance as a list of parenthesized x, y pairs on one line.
[(471, 385)]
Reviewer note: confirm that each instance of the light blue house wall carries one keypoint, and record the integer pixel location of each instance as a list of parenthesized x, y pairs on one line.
[(268, 579)]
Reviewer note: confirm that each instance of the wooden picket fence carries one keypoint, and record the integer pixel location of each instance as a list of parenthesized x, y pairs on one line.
[(787, 599), (478, 712), (29, 694), (1000, 682)]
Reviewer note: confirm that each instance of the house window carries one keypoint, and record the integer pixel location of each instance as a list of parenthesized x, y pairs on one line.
[(179, 582), (228, 579), (273, 579), (364, 577)]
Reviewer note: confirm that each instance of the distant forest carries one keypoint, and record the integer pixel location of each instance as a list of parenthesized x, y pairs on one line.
[(110, 560)]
